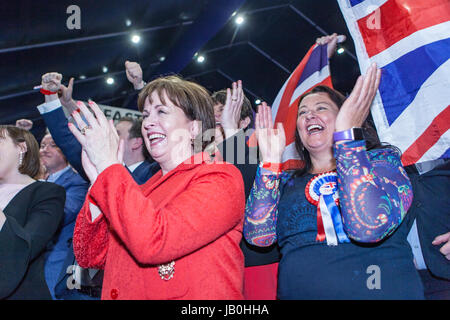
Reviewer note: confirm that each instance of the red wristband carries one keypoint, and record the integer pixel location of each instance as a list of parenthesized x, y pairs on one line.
[(274, 167), (46, 92)]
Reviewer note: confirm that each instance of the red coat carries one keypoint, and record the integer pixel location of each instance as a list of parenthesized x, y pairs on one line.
[(193, 215)]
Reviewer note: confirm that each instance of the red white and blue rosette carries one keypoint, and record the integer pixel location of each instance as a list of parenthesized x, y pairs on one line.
[(322, 191)]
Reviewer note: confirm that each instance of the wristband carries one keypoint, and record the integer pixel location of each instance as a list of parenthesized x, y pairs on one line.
[(349, 134), (274, 167), (46, 92)]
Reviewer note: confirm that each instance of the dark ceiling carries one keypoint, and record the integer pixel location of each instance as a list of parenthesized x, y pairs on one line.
[(274, 37)]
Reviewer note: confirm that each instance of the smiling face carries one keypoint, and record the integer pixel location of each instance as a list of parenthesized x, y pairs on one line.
[(316, 122), (167, 131), (51, 156)]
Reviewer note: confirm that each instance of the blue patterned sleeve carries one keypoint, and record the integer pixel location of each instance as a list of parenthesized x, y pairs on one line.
[(374, 190), (261, 208)]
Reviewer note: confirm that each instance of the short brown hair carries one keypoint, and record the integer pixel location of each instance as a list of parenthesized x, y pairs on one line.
[(192, 98), (31, 163), (220, 97)]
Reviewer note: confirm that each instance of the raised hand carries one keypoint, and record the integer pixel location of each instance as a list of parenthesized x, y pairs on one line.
[(231, 113), (98, 138), (356, 107), (332, 41), (134, 74), (24, 124), (51, 81), (271, 142)]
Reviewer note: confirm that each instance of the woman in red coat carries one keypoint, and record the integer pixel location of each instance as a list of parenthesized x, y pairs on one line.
[(177, 236)]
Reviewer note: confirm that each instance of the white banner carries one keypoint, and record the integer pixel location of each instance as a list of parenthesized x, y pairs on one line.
[(115, 113)]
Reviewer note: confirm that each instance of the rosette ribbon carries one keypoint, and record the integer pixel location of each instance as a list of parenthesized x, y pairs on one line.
[(322, 192)]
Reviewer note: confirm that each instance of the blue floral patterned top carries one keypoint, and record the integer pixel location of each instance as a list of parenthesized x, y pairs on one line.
[(374, 196)]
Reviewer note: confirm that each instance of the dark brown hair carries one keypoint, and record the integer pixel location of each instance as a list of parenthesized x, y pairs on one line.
[(136, 132), (220, 97), (31, 163), (370, 134), (192, 98)]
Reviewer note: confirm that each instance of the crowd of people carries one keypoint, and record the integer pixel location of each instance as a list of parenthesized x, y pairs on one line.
[(178, 204)]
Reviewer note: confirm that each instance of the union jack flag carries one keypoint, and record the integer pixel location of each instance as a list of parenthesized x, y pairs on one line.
[(410, 41), (312, 71)]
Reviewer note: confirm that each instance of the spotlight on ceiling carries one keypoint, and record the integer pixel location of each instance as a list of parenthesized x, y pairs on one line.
[(257, 101), (340, 50), (200, 59), (135, 38), (105, 69), (110, 80), (239, 20), (128, 22), (82, 77)]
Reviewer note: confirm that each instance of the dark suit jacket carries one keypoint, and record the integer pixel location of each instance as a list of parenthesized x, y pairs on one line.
[(57, 124), (76, 189), (236, 151), (431, 209), (145, 171), (32, 218)]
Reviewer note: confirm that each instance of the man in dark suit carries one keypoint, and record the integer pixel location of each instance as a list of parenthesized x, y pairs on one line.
[(76, 188), (429, 218)]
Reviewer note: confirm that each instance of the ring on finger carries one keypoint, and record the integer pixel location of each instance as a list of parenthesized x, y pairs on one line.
[(83, 130)]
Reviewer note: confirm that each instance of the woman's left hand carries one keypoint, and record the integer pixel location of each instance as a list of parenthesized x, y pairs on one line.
[(356, 107), (98, 138)]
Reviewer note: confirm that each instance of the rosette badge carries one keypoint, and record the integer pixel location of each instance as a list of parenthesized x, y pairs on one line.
[(322, 192)]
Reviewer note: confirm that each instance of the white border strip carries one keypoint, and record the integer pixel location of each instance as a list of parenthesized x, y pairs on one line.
[(416, 40)]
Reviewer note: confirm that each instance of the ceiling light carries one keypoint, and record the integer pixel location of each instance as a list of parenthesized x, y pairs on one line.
[(110, 80), (135, 38), (105, 69), (162, 58), (239, 20), (128, 22), (257, 101), (82, 77), (340, 50), (200, 59)]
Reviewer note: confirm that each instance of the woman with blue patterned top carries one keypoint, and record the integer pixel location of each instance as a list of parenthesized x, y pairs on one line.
[(338, 219)]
